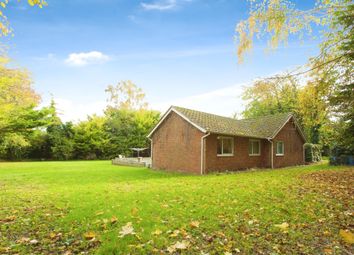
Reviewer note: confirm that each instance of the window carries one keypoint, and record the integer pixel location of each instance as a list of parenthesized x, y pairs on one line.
[(254, 148), (280, 148), (225, 146)]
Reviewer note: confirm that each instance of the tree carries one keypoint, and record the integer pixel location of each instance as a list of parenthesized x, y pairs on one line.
[(4, 23), (60, 137), (90, 138), (39, 147), (18, 101), (279, 19), (271, 96), (330, 89), (126, 96), (128, 119), (313, 111), (128, 129), (19, 115), (13, 146), (342, 76)]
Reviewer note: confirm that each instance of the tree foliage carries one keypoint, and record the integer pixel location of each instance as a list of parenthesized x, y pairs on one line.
[(325, 104), (18, 101), (278, 19), (90, 138), (5, 28), (126, 96), (128, 129), (271, 96), (125, 125)]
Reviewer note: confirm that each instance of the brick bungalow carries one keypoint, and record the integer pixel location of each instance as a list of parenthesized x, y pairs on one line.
[(198, 142)]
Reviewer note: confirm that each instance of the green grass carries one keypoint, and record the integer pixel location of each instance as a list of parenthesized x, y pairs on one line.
[(56, 203)]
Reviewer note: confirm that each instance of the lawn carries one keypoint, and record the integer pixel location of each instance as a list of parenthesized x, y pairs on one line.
[(96, 208)]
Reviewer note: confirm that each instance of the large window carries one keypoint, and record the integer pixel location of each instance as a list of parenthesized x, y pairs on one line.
[(280, 148), (254, 147), (225, 146)]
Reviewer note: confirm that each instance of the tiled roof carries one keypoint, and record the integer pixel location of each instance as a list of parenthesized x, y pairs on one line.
[(261, 127)]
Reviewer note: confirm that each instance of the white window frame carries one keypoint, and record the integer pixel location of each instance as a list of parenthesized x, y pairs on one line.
[(276, 148), (251, 141), (222, 146)]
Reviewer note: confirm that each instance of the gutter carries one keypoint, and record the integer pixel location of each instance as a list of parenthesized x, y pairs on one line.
[(150, 150), (271, 153), (202, 162)]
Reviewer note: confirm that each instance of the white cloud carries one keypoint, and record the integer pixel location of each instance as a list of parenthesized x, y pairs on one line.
[(162, 5), (86, 58), (225, 101)]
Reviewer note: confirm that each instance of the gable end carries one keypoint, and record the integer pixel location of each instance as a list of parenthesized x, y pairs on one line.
[(298, 128), (179, 114)]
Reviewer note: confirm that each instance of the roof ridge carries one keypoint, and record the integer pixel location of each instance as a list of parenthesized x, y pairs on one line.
[(269, 115), (264, 116), (174, 106)]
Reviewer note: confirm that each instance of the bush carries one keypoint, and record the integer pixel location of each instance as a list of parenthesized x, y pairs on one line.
[(340, 156), (312, 152)]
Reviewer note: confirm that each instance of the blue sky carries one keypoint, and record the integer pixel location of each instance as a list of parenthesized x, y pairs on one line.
[(179, 51)]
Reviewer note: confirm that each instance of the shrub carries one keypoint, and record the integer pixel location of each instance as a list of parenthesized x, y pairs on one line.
[(340, 156), (312, 152)]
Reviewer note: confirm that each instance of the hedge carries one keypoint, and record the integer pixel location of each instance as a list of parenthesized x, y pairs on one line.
[(312, 152)]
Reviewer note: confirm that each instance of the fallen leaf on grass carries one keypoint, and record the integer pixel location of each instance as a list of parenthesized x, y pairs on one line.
[(175, 233), (327, 251), (182, 245), (284, 226), (347, 236), (194, 224), (178, 246), (134, 211), (9, 219), (114, 220), (127, 230), (23, 240), (52, 235), (89, 235), (99, 213), (34, 242), (5, 249), (157, 232)]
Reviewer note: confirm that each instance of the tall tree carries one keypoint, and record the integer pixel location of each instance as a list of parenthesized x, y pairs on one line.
[(18, 101), (330, 73), (278, 19), (271, 96), (19, 115), (60, 137), (313, 111), (128, 119), (126, 96)]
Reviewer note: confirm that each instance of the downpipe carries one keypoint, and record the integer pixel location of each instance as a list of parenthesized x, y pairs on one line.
[(202, 162)]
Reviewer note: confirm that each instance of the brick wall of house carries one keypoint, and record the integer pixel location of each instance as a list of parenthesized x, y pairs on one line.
[(240, 159), (176, 145), (293, 147)]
